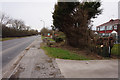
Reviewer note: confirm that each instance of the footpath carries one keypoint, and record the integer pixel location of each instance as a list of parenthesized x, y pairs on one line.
[(89, 68), (36, 64)]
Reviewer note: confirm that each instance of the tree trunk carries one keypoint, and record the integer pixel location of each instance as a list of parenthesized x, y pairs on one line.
[(76, 41)]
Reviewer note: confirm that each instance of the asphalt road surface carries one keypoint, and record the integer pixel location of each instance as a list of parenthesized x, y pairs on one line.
[(12, 48)]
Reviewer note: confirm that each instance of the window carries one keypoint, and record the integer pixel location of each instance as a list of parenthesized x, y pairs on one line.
[(109, 27), (98, 28), (102, 28), (115, 27)]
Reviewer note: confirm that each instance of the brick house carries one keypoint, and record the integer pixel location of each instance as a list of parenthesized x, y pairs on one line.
[(107, 28)]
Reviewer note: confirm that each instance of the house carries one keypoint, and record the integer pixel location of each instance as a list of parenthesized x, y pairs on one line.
[(108, 28)]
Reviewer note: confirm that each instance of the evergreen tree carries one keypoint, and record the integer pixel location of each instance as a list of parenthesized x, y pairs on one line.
[(73, 19)]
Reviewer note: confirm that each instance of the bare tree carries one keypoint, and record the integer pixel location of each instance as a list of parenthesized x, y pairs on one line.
[(17, 24), (4, 19), (22, 25), (28, 28)]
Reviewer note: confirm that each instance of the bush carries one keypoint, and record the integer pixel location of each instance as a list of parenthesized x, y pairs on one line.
[(58, 39)]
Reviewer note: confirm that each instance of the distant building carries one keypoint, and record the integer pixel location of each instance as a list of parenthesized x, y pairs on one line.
[(107, 28)]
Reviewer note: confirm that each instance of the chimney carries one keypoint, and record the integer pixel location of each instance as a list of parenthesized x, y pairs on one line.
[(111, 20)]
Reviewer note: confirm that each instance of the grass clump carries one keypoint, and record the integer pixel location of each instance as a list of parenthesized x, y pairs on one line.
[(43, 37)]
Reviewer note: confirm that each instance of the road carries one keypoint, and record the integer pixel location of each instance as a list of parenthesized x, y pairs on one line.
[(12, 48)]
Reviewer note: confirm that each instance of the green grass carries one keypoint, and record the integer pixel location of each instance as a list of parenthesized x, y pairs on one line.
[(51, 39), (63, 54), (47, 38), (42, 37), (10, 38), (116, 50)]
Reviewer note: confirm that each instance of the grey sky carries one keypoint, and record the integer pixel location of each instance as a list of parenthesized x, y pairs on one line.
[(119, 10), (30, 12), (33, 11), (110, 11)]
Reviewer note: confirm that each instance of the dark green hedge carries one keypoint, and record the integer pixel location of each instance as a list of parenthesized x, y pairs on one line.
[(11, 32)]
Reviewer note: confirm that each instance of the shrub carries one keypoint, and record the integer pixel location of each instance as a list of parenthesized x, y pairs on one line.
[(58, 39)]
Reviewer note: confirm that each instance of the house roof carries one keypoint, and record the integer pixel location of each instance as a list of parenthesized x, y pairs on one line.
[(111, 22)]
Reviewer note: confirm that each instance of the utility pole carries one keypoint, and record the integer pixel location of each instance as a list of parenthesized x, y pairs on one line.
[(43, 23)]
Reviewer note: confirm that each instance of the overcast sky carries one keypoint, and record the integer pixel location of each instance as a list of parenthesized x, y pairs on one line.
[(33, 11)]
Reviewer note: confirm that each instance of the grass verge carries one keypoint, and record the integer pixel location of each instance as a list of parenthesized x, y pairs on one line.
[(42, 37), (9, 38), (62, 54), (47, 38), (5, 39)]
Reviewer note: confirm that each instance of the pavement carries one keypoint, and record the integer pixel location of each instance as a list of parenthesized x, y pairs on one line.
[(36, 64), (88, 69)]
